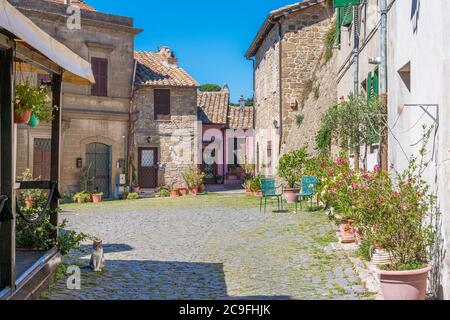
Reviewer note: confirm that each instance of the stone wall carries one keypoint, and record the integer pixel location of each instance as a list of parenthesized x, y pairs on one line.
[(326, 87), (167, 135), (302, 44)]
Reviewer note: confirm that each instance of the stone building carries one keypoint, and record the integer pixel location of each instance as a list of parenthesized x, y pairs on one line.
[(286, 51), (165, 119), (227, 137), (95, 118)]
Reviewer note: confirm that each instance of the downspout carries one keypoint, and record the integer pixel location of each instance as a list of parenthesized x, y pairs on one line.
[(130, 111), (383, 86), (254, 109), (356, 49), (280, 84)]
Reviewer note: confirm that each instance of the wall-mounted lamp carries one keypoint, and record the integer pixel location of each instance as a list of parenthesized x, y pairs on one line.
[(79, 163), (149, 140)]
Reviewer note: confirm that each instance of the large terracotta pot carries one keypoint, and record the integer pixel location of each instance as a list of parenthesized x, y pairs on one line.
[(291, 195), (347, 234), (182, 191), (174, 193), (248, 192), (23, 117), (137, 189), (80, 200), (404, 285), (202, 188), (193, 190), (96, 198), (258, 193)]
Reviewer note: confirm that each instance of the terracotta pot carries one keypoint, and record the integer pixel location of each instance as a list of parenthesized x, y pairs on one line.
[(28, 203), (258, 193), (347, 234), (23, 117), (182, 191), (137, 189), (248, 192), (291, 195), (174, 193), (124, 196), (96, 198), (193, 190), (404, 285), (80, 200), (202, 188)]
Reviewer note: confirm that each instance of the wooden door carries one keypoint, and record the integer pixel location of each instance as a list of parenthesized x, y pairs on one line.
[(98, 160), (148, 168), (41, 159)]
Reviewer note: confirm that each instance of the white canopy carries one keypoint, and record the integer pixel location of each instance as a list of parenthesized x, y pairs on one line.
[(75, 68)]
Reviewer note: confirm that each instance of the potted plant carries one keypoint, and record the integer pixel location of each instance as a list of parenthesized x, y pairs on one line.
[(248, 186), (82, 197), (291, 168), (163, 191), (132, 196), (193, 178), (32, 101), (135, 185), (174, 191), (97, 197), (182, 191), (28, 195), (124, 195), (202, 188)]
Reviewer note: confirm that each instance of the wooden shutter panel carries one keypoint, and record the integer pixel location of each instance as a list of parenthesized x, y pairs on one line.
[(100, 70), (369, 86), (162, 104), (376, 85)]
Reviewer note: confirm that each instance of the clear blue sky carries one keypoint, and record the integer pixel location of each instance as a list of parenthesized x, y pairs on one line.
[(208, 37)]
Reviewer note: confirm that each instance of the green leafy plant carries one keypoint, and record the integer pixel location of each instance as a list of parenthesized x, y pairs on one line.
[(291, 166), (27, 175), (133, 196), (299, 119), (329, 41), (40, 235), (209, 87), (86, 180), (84, 196), (193, 177), (35, 99), (163, 191)]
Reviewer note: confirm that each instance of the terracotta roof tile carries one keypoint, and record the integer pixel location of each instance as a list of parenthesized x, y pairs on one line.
[(240, 118), (77, 3), (154, 70), (213, 106)]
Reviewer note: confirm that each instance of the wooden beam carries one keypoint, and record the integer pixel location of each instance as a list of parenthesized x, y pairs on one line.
[(56, 145), (7, 170)]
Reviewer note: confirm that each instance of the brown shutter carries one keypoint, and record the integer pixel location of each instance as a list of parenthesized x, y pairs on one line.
[(162, 104), (100, 70)]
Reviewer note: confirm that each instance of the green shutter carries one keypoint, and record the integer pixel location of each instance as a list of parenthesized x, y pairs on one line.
[(338, 26), (369, 86), (345, 3), (347, 16), (376, 86)]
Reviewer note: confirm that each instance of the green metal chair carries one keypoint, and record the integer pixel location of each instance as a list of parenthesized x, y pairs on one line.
[(269, 190), (308, 187)]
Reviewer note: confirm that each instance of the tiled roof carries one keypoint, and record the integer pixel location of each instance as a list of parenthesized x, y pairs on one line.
[(213, 106), (154, 70), (240, 118), (77, 3)]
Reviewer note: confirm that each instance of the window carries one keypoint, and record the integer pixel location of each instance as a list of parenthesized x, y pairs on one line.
[(100, 70), (162, 104)]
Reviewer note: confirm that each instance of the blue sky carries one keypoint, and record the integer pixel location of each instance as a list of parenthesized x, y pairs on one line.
[(208, 37)]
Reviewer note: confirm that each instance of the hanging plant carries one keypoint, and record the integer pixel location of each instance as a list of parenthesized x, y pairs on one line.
[(32, 101)]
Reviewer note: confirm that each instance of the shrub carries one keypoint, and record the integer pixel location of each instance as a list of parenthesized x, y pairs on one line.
[(193, 177), (291, 166), (133, 196), (209, 87), (299, 119), (163, 191), (83, 195)]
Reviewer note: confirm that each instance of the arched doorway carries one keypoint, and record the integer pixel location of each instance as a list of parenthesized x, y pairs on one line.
[(98, 160)]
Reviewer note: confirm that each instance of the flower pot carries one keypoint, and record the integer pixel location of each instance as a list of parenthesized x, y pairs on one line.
[(291, 195), (258, 193), (28, 203), (248, 192), (137, 189), (96, 198), (34, 121), (380, 256), (23, 117), (182, 191), (174, 193), (347, 234), (193, 190), (80, 200), (124, 196), (202, 188), (404, 285)]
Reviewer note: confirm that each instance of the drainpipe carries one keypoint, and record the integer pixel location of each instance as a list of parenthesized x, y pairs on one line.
[(383, 87), (254, 106), (130, 111), (280, 89), (356, 48)]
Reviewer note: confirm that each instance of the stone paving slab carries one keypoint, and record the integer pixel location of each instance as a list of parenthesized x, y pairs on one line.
[(208, 247)]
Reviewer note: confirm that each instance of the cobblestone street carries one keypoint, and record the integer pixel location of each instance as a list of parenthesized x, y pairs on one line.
[(207, 247)]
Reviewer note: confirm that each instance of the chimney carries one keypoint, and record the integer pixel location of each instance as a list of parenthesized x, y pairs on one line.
[(168, 55), (242, 102)]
